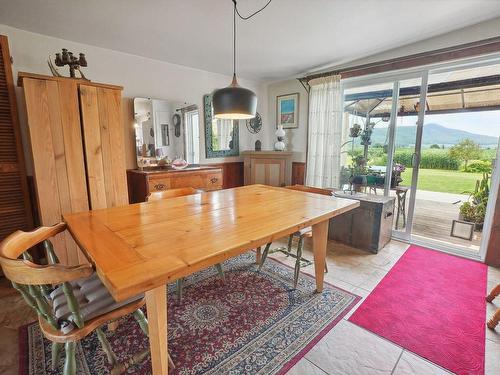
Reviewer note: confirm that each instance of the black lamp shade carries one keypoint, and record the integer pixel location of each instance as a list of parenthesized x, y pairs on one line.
[(234, 102)]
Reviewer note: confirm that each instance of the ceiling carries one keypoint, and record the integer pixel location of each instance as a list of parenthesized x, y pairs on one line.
[(288, 38)]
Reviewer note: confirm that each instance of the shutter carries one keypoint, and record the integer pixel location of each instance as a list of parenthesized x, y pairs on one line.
[(15, 208)]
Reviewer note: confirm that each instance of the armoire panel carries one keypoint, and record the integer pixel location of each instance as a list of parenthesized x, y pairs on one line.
[(56, 145), (104, 144)]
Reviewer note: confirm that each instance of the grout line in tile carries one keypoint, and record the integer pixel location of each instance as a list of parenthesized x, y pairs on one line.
[(316, 365), (427, 360), (396, 364)]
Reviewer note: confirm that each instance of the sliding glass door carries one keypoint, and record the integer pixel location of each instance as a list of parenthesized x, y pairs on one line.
[(430, 140), (458, 152), (383, 121)]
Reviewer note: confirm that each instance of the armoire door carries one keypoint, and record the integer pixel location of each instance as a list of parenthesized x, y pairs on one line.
[(56, 143), (104, 146)]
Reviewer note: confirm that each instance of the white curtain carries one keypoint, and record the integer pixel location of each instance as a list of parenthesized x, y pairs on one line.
[(224, 129), (325, 133)]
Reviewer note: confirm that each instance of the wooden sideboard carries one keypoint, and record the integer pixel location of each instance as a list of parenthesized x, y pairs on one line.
[(268, 167), (141, 183)]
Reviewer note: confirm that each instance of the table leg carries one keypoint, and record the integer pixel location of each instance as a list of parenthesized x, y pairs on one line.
[(156, 304), (320, 237)]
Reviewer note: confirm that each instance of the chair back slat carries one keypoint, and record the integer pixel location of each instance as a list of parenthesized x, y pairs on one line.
[(73, 304), (36, 301), (171, 193), (51, 254)]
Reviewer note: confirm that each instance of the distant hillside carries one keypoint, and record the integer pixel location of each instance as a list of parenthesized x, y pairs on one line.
[(433, 134)]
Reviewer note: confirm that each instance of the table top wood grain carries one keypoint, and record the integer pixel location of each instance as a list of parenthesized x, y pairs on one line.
[(139, 247)]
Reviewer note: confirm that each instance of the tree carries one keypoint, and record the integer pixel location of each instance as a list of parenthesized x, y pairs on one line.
[(435, 146), (465, 151)]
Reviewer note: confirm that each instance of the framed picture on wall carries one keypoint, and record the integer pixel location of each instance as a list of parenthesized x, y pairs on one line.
[(287, 110)]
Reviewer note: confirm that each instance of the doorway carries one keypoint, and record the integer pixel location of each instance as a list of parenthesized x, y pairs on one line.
[(430, 140)]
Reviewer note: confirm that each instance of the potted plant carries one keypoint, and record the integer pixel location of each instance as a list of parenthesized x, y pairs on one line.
[(358, 172), (355, 131), (396, 178), (474, 210)]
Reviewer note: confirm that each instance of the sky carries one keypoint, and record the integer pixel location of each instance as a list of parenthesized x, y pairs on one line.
[(485, 123)]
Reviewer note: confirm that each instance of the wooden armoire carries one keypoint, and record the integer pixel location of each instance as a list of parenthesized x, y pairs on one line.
[(76, 135)]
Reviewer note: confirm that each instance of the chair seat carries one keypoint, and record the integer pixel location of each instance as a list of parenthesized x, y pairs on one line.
[(92, 297), (304, 232)]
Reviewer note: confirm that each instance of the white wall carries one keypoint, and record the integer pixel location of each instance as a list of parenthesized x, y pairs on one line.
[(296, 139), (140, 77), (480, 31)]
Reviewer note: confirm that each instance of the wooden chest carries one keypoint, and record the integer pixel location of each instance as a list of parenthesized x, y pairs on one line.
[(141, 183), (367, 227)]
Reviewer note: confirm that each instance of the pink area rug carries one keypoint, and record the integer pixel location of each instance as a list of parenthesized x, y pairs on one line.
[(432, 304)]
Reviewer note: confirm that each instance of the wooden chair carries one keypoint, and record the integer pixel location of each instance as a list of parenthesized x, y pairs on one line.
[(493, 322), (180, 192), (70, 301), (300, 235), (172, 193)]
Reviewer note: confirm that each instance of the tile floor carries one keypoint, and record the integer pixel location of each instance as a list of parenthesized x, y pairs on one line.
[(346, 349)]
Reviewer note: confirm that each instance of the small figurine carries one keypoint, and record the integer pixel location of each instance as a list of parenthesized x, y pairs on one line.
[(67, 58)]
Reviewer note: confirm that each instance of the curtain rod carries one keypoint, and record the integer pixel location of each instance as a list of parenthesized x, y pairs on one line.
[(449, 53)]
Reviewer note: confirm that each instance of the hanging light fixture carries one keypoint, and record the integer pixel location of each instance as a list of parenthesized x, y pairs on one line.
[(235, 102)]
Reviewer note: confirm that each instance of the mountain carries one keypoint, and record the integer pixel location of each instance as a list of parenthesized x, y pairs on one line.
[(433, 134)]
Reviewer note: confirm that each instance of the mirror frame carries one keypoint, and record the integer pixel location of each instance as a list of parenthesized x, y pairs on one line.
[(209, 152)]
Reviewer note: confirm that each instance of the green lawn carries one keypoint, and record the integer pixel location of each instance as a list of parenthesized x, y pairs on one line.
[(443, 180)]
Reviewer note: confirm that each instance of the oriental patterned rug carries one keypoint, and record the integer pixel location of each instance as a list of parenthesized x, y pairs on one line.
[(254, 323)]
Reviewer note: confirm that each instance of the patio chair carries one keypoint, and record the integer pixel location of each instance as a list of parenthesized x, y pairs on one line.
[(70, 301), (493, 322)]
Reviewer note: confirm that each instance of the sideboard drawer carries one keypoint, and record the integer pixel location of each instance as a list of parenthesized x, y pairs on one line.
[(142, 183), (158, 184), (194, 180), (213, 181)]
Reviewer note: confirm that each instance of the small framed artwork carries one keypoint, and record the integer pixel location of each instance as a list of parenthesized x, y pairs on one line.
[(287, 111), (462, 229)]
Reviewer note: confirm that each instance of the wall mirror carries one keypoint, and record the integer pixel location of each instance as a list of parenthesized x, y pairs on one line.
[(221, 136), (166, 130)]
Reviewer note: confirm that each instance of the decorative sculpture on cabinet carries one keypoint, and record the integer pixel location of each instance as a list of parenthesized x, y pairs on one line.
[(67, 58)]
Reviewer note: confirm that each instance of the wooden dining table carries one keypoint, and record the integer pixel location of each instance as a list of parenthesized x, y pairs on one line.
[(140, 248)]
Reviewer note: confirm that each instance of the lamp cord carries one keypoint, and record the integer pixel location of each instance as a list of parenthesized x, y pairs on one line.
[(236, 12), (253, 14)]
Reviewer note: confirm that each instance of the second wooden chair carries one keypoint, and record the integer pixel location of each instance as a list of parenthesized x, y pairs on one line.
[(300, 235), (173, 193)]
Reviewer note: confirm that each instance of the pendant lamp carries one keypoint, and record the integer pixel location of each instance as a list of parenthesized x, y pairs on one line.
[(235, 102)]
